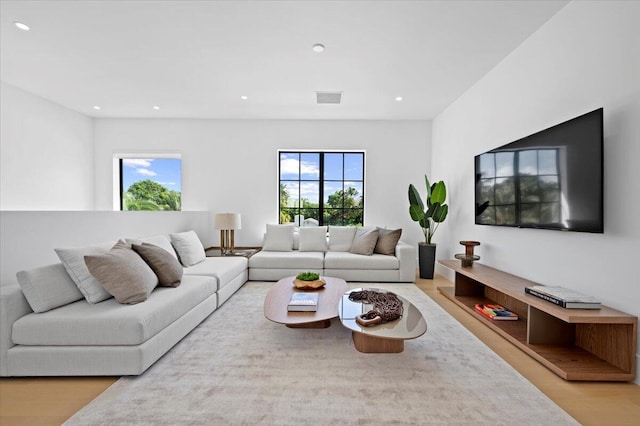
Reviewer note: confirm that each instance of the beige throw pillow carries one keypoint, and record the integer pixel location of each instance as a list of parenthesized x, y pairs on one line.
[(278, 238), (123, 274), (364, 242), (387, 241), (162, 263)]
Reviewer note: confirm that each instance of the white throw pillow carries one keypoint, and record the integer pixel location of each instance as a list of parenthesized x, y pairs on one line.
[(189, 248), (73, 261), (48, 287), (156, 240), (313, 238), (278, 238), (341, 237)]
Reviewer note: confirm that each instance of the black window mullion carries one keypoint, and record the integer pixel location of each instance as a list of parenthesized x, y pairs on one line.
[(321, 190)]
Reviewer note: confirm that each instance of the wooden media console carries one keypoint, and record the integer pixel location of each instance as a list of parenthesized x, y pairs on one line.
[(576, 344)]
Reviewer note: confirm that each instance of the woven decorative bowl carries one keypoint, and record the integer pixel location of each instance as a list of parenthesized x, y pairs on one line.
[(308, 285)]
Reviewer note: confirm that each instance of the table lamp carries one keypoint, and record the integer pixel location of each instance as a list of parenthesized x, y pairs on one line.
[(227, 223)]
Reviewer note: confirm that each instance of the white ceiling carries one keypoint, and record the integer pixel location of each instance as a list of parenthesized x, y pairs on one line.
[(196, 58)]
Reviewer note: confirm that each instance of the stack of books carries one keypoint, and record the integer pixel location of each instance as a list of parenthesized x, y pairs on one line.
[(563, 297), (303, 302), (496, 312)]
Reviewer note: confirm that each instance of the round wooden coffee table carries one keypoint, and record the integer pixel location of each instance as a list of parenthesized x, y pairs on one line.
[(275, 304), (381, 338)]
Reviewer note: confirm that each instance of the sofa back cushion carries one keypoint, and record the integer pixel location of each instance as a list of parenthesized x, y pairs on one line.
[(313, 238), (365, 241), (73, 261), (189, 248), (166, 267), (341, 237), (123, 273), (278, 238), (48, 287), (387, 241)]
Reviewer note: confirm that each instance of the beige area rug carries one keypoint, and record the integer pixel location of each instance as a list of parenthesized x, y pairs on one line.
[(239, 368)]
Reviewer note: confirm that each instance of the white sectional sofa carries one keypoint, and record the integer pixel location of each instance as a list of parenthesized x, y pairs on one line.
[(51, 326), (288, 251), (68, 336)]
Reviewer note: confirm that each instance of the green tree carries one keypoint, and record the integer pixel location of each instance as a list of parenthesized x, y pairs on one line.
[(150, 195)]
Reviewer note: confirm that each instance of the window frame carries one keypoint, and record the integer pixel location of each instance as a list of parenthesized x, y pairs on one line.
[(118, 181), (321, 181)]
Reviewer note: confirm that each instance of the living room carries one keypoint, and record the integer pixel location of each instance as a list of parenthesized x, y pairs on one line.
[(563, 60)]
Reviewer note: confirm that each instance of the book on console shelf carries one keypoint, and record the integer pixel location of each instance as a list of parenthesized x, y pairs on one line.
[(563, 297), (303, 302), (496, 312)]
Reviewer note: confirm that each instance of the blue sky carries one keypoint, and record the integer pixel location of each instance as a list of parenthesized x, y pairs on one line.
[(165, 171)]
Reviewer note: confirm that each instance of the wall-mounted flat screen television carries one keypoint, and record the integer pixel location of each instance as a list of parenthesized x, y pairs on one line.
[(552, 179)]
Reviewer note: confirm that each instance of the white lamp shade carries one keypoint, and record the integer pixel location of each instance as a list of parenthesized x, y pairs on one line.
[(224, 221)]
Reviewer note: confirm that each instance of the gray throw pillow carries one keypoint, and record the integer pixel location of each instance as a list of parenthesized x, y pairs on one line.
[(73, 261), (387, 241), (364, 242), (189, 248), (164, 265), (123, 274)]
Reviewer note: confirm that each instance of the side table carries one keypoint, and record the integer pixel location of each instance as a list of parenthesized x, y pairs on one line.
[(240, 251)]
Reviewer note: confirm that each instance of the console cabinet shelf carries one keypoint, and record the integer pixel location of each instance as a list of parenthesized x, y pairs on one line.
[(576, 344)]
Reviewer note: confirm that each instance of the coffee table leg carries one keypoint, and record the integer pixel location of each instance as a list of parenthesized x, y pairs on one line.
[(316, 324), (376, 345)]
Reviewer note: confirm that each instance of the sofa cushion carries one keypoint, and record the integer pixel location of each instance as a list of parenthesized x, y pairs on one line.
[(288, 260), (223, 269), (73, 261), (123, 273), (346, 260), (163, 264), (387, 241), (189, 248), (48, 287), (341, 237), (278, 238), (364, 241), (313, 238), (157, 240), (110, 323)]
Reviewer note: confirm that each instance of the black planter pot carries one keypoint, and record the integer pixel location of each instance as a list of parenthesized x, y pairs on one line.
[(426, 260)]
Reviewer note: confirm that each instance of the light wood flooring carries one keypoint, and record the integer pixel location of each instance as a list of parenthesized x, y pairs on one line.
[(50, 401)]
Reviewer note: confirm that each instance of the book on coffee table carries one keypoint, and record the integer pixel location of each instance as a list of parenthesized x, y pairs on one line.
[(303, 302)]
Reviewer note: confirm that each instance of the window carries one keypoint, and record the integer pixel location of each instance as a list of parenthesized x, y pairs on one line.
[(521, 187), (149, 183), (321, 188)]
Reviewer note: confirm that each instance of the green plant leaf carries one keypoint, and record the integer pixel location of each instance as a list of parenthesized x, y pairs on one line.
[(441, 213), (416, 213), (414, 198), (431, 210), (439, 193), (428, 185)]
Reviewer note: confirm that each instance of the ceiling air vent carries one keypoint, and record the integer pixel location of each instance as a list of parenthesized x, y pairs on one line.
[(328, 97)]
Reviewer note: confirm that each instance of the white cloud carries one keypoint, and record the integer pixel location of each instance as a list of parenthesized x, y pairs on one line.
[(146, 172), (291, 166), (136, 162)]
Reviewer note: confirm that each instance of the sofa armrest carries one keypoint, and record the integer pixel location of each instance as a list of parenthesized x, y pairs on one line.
[(13, 306), (408, 257)]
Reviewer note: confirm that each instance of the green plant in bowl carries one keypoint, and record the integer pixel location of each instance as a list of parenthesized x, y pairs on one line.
[(308, 276)]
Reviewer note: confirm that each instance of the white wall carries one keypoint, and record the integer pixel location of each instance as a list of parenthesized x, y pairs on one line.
[(585, 57), (46, 154), (231, 165), (29, 237)]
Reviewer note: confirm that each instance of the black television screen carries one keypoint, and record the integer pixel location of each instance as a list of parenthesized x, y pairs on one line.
[(552, 179)]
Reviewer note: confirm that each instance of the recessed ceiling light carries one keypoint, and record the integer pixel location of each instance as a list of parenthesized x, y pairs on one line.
[(398, 98), (156, 107), (22, 26), (96, 107), (318, 48), (244, 98)]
